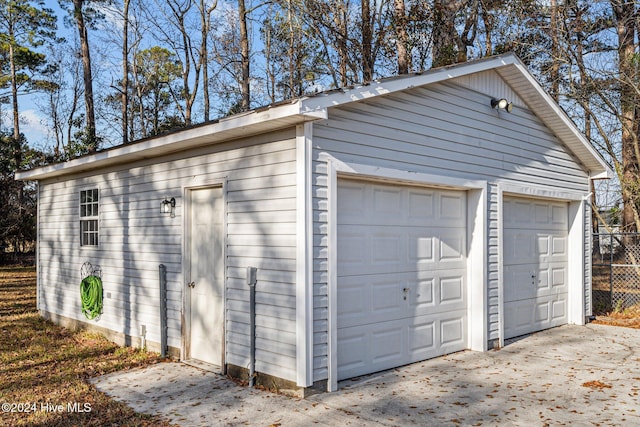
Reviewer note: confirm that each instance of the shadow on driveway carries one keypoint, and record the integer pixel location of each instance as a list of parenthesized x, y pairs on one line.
[(574, 375)]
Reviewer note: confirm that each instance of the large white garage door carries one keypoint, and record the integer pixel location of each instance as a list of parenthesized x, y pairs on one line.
[(535, 265), (401, 275)]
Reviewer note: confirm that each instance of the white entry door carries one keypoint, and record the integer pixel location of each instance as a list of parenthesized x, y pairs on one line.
[(535, 265), (206, 281), (401, 289)]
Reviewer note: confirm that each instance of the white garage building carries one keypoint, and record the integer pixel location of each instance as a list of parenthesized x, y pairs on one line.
[(390, 223)]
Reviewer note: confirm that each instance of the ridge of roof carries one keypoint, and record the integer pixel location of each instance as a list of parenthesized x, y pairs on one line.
[(315, 107)]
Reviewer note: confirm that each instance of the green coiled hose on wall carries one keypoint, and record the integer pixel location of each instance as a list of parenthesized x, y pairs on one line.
[(91, 296)]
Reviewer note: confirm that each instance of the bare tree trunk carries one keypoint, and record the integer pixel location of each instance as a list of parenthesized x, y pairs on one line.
[(245, 87), (291, 53), (186, 42), (55, 119), (443, 34), (125, 72), (271, 76), (341, 27), (625, 17), (555, 51), (71, 117), (88, 79), (367, 38), (489, 24), (17, 146), (205, 18), (450, 47), (14, 93), (402, 37)]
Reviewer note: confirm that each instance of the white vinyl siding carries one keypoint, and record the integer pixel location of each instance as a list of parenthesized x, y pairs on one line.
[(260, 190), (444, 129)]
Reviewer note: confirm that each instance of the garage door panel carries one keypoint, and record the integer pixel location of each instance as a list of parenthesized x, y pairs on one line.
[(551, 246), (422, 251), (387, 249), (542, 312), (381, 297), (558, 277), (423, 294), (376, 250), (402, 297), (452, 331), (354, 349), (559, 216), (422, 337), (559, 310), (381, 204), (386, 298), (519, 283), (539, 215), (376, 298), (387, 202), (421, 206), (436, 293), (518, 248), (451, 245), (532, 246), (351, 199), (453, 208), (451, 290), (525, 317), (352, 303), (353, 249), (372, 348), (559, 246), (387, 344), (378, 346), (535, 265), (552, 278)]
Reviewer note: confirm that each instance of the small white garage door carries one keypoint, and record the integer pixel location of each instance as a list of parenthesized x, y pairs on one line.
[(535, 265), (401, 275)]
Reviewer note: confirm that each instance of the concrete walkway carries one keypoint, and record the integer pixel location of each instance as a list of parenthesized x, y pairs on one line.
[(571, 375)]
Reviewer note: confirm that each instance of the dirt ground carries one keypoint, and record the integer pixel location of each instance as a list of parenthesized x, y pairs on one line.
[(629, 318)]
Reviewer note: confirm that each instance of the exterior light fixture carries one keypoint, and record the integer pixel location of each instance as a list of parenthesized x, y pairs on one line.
[(168, 206), (501, 104)]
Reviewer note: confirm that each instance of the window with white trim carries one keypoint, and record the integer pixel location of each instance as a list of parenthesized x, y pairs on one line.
[(89, 217)]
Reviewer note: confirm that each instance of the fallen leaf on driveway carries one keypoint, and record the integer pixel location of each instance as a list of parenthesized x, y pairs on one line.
[(596, 385)]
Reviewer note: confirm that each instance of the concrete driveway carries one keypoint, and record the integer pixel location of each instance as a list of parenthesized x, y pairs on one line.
[(571, 375)]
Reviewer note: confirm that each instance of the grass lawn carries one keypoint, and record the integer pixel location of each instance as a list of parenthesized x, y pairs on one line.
[(44, 368)]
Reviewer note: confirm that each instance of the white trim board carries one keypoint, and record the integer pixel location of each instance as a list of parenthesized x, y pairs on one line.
[(186, 263), (304, 257), (540, 192)]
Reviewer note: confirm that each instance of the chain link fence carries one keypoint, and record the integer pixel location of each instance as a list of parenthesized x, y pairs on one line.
[(616, 272)]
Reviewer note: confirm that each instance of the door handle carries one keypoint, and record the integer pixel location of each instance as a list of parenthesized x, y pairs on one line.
[(191, 284), (405, 291)]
